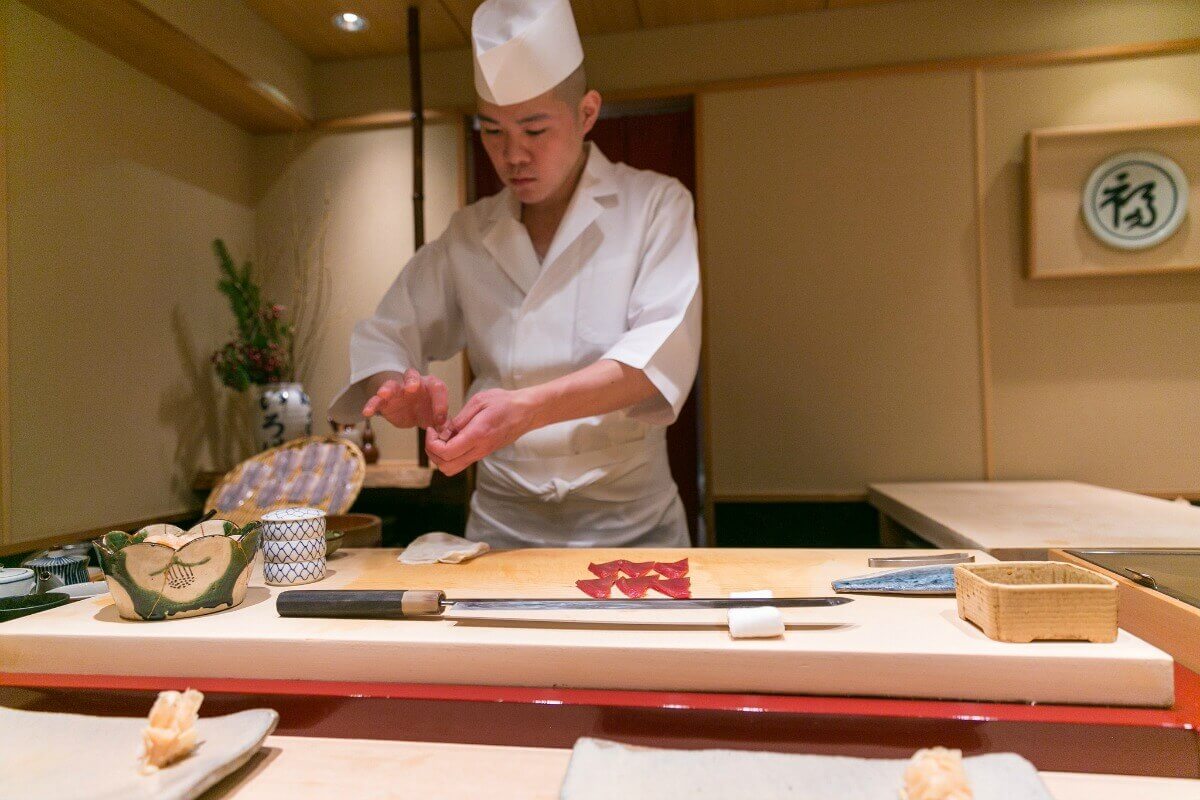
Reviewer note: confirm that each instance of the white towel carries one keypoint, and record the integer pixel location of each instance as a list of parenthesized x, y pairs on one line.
[(446, 548)]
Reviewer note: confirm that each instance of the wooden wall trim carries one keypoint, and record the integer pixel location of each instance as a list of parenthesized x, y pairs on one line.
[(463, 141), (150, 44), (983, 319), (1171, 494), (1031, 168), (5, 441), (463, 128), (389, 119), (1088, 55), (1083, 55), (861, 497), (705, 398), (1007, 61), (790, 497), (1129, 127), (47, 542)]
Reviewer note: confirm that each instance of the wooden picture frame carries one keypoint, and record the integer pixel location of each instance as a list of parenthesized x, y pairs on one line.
[(1059, 243)]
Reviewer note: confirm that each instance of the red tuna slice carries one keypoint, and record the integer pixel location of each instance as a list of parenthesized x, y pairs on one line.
[(679, 588), (634, 587), (609, 569), (636, 570), (598, 588), (676, 569)]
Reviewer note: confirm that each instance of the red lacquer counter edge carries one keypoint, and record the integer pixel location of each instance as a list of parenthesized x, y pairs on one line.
[(1184, 715)]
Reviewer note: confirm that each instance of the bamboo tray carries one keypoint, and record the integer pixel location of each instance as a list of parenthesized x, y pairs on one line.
[(1020, 601), (322, 472)]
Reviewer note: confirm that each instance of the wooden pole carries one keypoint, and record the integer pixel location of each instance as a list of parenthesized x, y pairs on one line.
[(418, 151), (418, 125)]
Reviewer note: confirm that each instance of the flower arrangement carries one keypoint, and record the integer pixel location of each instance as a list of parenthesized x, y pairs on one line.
[(262, 353)]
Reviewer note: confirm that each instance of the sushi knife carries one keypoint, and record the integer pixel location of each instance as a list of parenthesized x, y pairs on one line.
[(415, 603), (922, 560)]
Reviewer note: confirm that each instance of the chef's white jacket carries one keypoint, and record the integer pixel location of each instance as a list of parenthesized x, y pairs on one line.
[(620, 281)]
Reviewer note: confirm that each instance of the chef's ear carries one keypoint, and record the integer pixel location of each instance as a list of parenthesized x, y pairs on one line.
[(589, 110)]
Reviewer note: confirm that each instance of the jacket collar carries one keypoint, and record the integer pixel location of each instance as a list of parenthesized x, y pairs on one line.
[(508, 242)]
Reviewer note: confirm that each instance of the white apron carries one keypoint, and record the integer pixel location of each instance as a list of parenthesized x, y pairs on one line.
[(620, 281)]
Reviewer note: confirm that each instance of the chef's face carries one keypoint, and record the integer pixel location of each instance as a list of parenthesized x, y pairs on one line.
[(535, 146)]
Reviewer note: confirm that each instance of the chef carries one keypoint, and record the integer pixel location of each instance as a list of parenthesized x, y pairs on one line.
[(576, 292)]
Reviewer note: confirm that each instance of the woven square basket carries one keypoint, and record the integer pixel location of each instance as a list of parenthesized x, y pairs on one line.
[(1020, 601)]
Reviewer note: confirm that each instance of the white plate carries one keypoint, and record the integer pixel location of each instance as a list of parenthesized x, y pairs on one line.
[(69, 756), (601, 770), (77, 591)]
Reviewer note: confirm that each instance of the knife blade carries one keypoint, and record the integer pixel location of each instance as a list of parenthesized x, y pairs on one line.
[(411, 603), (922, 560)]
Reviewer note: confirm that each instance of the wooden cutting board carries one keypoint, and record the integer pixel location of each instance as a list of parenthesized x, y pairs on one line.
[(552, 573), (876, 646)]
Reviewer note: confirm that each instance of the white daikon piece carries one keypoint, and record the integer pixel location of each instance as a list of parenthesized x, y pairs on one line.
[(761, 622)]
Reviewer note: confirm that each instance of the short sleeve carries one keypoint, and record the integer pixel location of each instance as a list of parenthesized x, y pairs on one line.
[(663, 339)]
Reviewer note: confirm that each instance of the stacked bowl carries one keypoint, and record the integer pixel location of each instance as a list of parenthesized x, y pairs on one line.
[(293, 545)]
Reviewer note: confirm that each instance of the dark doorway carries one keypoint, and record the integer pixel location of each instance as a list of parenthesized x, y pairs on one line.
[(658, 136)]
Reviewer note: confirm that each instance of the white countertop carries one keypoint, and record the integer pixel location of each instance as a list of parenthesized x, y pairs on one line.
[(1024, 519)]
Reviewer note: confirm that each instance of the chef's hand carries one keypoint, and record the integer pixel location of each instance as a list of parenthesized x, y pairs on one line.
[(410, 400), (489, 421)]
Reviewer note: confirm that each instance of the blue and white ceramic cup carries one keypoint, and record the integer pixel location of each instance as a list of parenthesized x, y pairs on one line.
[(293, 524), (290, 551), (293, 546), (294, 573)]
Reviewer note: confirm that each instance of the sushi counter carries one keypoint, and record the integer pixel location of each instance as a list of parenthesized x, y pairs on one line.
[(875, 677), (294, 768)]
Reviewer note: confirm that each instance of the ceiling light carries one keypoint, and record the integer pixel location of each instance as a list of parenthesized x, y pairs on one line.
[(349, 21)]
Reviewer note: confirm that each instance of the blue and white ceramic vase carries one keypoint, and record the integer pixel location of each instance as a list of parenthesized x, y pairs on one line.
[(284, 413)]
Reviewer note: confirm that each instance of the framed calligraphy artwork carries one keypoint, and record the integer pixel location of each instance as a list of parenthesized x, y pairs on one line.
[(1113, 200)]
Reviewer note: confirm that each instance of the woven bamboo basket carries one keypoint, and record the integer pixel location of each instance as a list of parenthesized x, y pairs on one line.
[(1020, 601), (322, 472)]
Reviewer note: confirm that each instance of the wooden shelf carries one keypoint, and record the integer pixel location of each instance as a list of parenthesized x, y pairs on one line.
[(157, 48)]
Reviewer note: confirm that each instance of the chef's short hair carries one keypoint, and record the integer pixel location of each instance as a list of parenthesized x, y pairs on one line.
[(572, 88)]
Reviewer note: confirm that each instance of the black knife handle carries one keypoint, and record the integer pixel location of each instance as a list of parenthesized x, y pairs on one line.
[(360, 604)]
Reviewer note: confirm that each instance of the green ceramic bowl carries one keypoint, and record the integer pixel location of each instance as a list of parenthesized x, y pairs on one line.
[(14, 607), (162, 573), (333, 540)]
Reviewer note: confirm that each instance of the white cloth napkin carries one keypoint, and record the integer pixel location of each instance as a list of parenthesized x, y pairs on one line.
[(432, 548)]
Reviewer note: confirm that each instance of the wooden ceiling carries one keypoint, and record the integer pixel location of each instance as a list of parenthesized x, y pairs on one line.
[(446, 24)]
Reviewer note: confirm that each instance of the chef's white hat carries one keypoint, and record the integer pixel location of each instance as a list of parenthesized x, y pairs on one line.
[(523, 48)]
